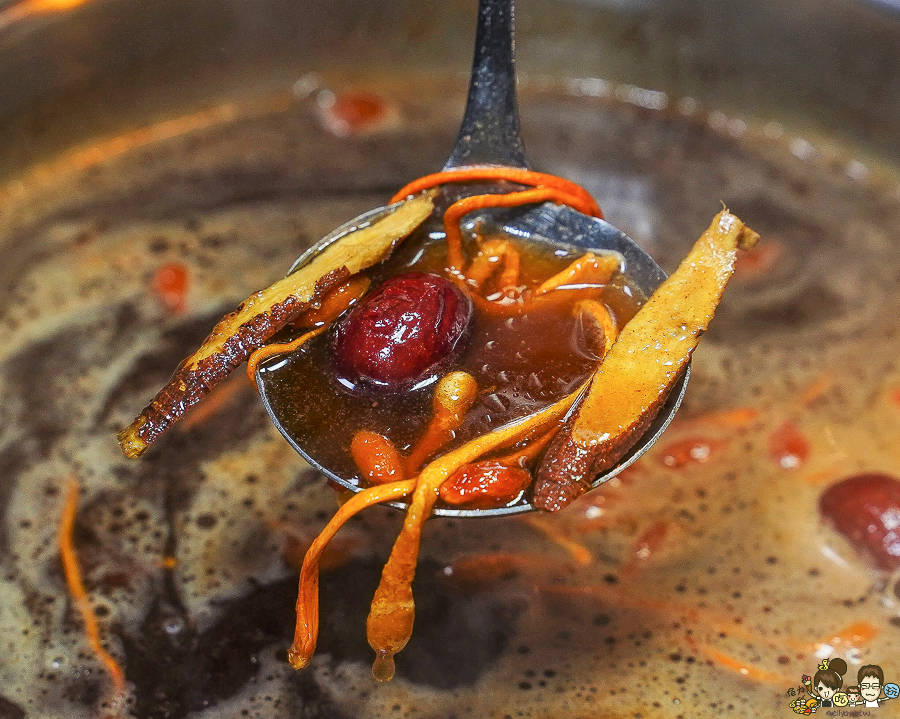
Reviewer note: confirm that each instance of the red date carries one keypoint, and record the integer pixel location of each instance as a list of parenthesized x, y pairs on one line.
[(866, 509), (401, 334)]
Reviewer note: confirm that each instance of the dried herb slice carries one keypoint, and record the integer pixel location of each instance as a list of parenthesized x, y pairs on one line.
[(632, 382), (264, 313)]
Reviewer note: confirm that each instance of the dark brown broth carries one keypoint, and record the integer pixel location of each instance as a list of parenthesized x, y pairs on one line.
[(509, 621), (521, 363)]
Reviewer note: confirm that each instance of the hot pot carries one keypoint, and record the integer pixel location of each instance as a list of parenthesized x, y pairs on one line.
[(218, 140)]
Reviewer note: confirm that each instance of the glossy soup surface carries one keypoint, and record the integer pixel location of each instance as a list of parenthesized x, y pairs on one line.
[(703, 582), (521, 363)]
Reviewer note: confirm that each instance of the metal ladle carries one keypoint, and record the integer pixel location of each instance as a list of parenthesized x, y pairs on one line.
[(490, 135)]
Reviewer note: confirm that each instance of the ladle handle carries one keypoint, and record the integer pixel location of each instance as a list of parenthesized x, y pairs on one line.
[(489, 134)]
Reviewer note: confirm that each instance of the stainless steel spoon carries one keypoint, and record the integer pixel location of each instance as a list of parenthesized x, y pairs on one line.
[(490, 135)]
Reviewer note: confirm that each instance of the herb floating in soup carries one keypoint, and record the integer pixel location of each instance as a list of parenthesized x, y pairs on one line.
[(472, 375)]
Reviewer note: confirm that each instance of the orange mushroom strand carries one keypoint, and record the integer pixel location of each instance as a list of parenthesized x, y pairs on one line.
[(75, 584), (589, 269), (268, 351), (376, 457), (494, 254), (307, 628), (600, 327), (335, 303), (390, 621), (453, 397)]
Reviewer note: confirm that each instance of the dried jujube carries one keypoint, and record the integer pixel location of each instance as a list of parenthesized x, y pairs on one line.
[(401, 334), (866, 509)]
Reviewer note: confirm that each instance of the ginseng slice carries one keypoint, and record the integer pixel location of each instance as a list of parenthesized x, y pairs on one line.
[(633, 380)]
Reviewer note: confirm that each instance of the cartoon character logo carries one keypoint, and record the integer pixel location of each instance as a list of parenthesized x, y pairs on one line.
[(871, 685), (825, 688), (804, 705), (827, 682)]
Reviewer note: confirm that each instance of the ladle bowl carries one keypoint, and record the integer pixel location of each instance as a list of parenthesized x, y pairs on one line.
[(490, 136)]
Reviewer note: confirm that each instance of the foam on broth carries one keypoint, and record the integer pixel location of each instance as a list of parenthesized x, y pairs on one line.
[(699, 583)]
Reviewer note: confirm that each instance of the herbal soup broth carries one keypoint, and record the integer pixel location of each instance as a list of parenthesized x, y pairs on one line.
[(521, 360), (711, 576)]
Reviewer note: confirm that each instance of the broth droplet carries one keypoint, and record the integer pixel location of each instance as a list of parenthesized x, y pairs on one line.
[(383, 667)]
